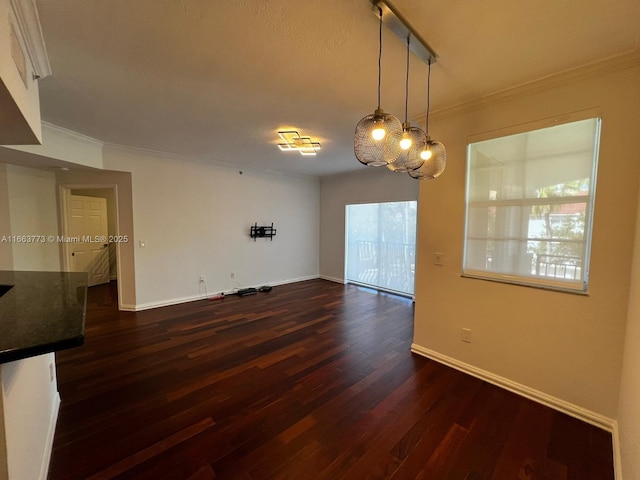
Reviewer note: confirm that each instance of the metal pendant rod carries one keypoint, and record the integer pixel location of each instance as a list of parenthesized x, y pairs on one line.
[(403, 29)]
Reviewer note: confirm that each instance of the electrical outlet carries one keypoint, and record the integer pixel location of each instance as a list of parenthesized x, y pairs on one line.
[(466, 335), (233, 275), (438, 258), (202, 279)]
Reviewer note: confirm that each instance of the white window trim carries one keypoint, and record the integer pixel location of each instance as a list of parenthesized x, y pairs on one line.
[(577, 287)]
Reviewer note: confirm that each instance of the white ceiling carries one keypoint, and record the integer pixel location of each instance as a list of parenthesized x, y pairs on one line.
[(218, 79)]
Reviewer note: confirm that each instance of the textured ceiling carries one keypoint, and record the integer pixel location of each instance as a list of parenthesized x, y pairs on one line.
[(217, 79)]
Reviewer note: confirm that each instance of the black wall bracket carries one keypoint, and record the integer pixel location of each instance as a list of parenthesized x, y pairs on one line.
[(262, 231)]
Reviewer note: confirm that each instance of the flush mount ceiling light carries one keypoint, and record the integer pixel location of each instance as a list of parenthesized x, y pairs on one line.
[(378, 140), (293, 142)]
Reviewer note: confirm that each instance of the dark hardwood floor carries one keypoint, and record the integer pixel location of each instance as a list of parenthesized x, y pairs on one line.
[(312, 380)]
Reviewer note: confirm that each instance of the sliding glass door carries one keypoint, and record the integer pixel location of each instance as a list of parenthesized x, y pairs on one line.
[(381, 245)]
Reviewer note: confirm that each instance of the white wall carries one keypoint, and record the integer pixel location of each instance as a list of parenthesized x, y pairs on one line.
[(565, 345), (31, 401), (65, 145), (367, 185), (33, 211), (629, 409), (195, 218), (29, 396)]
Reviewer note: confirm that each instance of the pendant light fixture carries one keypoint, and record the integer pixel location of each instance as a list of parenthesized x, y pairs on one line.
[(374, 136), (433, 154), (411, 140), (380, 138)]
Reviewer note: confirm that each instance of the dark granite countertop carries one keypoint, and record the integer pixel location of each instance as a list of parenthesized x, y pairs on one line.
[(43, 312)]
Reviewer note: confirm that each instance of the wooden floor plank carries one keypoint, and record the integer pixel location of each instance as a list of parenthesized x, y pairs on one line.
[(152, 451), (525, 457), (311, 380)]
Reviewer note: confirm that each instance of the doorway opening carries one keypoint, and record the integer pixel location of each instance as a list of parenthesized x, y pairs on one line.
[(89, 220), (381, 246)]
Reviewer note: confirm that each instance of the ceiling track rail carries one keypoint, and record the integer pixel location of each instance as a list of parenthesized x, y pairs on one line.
[(399, 25)]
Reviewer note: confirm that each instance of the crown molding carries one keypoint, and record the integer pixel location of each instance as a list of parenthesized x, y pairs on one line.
[(78, 137), (179, 157), (75, 136), (29, 24), (567, 77)]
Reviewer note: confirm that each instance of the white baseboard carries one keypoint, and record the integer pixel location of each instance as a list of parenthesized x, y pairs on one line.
[(48, 446), (333, 279), (558, 404), (165, 303), (293, 280), (617, 457), (550, 401), (193, 298)]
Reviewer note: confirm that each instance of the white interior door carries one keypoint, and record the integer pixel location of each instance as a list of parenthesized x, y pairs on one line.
[(89, 248)]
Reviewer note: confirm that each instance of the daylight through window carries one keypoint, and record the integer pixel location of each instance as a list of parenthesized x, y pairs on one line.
[(381, 245), (529, 206)]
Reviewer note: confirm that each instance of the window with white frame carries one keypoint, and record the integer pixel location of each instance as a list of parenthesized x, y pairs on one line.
[(529, 206)]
